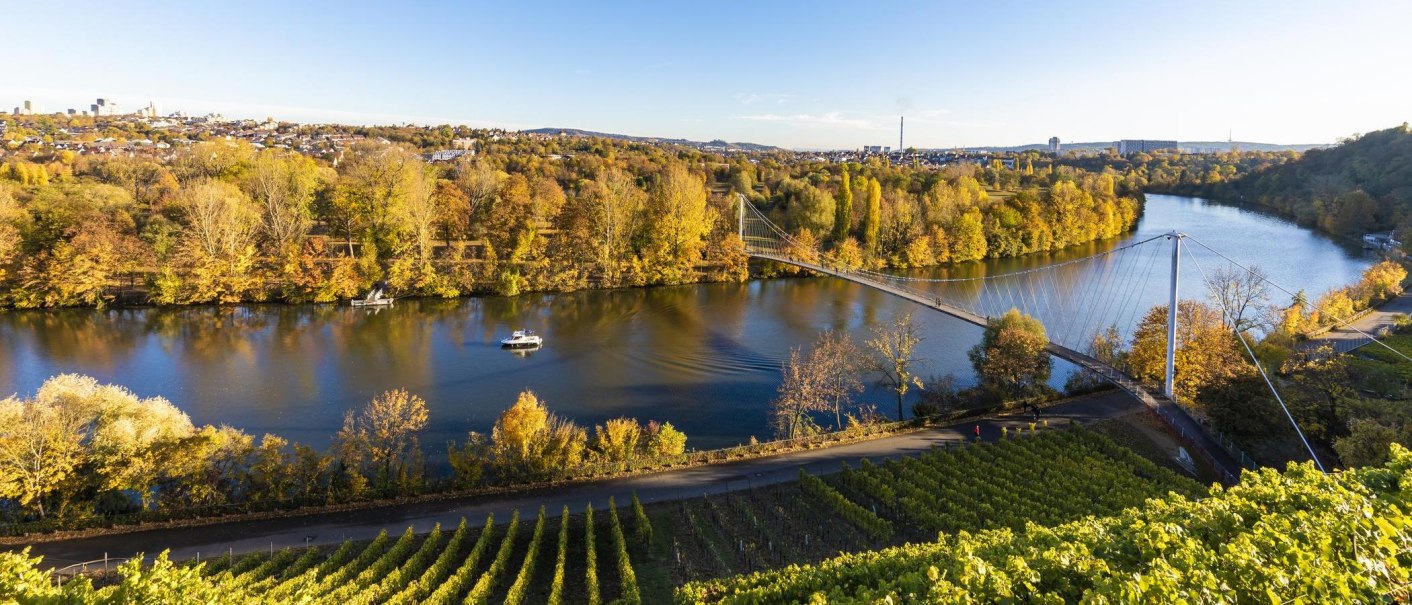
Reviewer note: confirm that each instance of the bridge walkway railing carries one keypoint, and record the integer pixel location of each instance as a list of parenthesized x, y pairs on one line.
[(1193, 433)]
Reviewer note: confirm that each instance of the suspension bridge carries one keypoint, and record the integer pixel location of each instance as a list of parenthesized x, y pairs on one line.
[(1097, 298)]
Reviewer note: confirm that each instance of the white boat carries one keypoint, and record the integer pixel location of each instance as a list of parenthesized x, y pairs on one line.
[(374, 298), (522, 339)]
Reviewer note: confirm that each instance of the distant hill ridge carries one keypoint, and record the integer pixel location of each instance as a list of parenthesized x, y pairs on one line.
[(1202, 145), (628, 137), (1095, 145)]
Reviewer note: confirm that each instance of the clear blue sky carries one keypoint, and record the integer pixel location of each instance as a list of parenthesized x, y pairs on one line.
[(795, 74)]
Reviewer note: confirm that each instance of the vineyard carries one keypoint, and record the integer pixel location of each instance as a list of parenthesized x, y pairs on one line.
[(1298, 537), (641, 553), (1047, 478), (515, 561)]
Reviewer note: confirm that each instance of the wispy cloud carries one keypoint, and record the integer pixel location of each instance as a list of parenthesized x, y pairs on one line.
[(751, 98), (832, 119)]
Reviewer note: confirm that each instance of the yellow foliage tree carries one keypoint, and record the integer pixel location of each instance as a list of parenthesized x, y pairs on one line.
[(528, 442), (617, 440), (1206, 355)]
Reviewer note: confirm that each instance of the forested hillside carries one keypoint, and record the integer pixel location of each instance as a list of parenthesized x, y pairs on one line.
[(223, 221), (1361, 185)]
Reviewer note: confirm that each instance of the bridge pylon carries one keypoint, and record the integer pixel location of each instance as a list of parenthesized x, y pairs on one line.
[(1169, 386)]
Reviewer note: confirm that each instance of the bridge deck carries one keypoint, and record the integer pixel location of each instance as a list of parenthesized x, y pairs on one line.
[(1177, 417)]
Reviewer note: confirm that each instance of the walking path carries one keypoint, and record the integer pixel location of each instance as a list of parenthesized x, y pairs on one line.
[(1345, 339), (332, 528)]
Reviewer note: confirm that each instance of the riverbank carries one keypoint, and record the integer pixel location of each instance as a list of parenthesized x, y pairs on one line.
[(588, 472), (326, 528)]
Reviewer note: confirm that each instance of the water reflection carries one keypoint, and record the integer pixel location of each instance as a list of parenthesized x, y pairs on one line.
[(705, 358)]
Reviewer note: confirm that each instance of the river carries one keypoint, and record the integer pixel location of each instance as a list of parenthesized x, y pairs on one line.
[(704, 357)]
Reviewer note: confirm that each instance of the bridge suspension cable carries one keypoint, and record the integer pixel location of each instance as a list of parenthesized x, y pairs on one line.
[(1077, 299), (1089, 306), (1086, 304), (1343, 322), (1233, 318)]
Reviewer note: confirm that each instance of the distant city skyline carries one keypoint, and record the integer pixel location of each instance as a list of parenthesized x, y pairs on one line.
[(797, 75)]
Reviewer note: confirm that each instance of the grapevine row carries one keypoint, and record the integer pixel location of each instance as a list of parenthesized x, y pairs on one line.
[(516, 593), (626, 575)]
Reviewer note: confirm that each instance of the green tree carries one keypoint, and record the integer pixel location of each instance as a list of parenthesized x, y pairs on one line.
[(843, 211), (872, 218), (1011, 359)]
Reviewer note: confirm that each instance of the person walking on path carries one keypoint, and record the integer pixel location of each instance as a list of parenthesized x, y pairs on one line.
[(978, 432)]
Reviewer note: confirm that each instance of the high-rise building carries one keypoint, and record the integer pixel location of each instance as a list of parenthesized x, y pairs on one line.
[(1053, 144), (106, 107), (1127, 146)]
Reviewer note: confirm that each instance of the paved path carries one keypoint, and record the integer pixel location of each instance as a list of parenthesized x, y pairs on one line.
[(1345, 338), (332, 528)]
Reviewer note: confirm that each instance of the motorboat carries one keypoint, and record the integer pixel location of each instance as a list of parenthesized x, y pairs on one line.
[(522, 339)]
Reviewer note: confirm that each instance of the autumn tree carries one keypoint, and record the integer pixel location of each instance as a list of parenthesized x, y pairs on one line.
[(283, 186), (679, 218), (967, 238), (808, 207), (383, 436), (529, 442), (801, 394), (479, 183), (40, 448), (10, 238), (836, 356), (895, 358), (846, 256), (420, 217), (1011, 359), (373, 188), (613, 211), (130, 442), (664, 441), (1206, 354), (218, 249), (1380, 282), (618, 441), (453, 217)]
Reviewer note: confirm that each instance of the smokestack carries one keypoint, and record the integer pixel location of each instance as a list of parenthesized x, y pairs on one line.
[(901, 123)]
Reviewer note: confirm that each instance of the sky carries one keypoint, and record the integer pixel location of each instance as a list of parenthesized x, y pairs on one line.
[(803, 75)]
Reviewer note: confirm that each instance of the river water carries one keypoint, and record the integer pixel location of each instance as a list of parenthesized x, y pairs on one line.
[(704, 357)]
